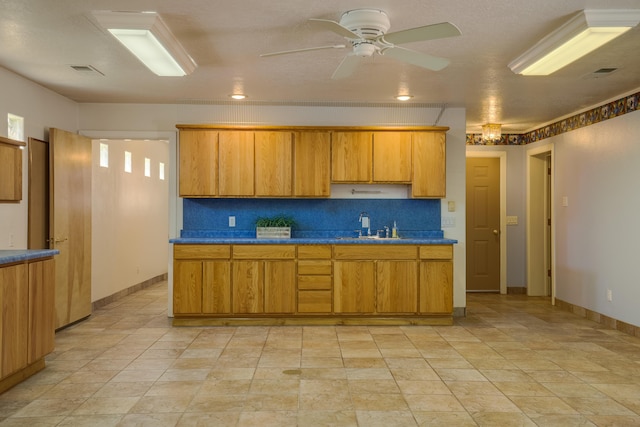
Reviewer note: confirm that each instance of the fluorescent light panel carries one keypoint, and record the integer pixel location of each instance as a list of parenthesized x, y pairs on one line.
[(149, 39), (585, 32)]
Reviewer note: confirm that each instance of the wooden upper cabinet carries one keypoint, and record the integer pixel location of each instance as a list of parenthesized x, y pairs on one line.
[(236, 163), (273, 158), (429, 164), (198, 153), (351, 157), (392, 157), (10, 170), (312, 164)]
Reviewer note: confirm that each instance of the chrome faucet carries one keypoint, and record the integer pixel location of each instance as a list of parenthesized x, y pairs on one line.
[(365, 222), (386, 232)]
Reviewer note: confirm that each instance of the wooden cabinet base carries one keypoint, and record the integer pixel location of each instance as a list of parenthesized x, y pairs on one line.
[(431, 320), (21, 375)]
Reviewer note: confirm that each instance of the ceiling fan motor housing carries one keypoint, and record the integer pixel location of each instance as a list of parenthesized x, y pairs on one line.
[(368, 23)]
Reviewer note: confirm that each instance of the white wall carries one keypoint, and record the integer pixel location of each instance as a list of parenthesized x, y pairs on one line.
[(104, 119), (597, 235), (130, 217), (41, 109)]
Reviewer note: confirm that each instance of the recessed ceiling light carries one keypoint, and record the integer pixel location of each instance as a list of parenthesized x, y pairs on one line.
[(403, 97), (238, 96)]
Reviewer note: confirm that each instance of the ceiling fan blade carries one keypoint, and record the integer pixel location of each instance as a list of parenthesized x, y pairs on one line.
[(347, 67), (336, 28), (427, 32), (420, 59), (286, 52)]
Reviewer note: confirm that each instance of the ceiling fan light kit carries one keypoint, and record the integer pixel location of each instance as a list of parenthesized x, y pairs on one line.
[(586, 31), (366, 32), (146, 36)]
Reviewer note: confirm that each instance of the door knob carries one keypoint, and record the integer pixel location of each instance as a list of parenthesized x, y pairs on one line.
[(496, 232)]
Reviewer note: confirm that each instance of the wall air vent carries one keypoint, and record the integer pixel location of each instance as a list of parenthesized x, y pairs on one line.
[(86, 69)]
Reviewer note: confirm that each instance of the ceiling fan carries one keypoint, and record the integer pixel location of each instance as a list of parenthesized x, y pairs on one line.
[(366, 31)]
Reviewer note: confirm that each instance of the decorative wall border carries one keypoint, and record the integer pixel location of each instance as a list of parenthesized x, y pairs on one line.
[(595, 115)]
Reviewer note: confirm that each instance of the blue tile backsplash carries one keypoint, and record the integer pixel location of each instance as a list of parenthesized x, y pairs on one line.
[(312, 215)]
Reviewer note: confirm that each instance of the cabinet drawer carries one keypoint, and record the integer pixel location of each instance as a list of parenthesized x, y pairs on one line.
[(201, 251), (314, 252), (314, 267), (314, 302), (436, 252), (264, 251), (314, 282), (375, 252)]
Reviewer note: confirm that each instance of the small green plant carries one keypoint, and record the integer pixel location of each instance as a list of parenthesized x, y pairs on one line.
[(275, 221)]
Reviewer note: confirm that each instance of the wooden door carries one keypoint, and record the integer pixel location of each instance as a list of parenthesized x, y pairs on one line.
[(312, 164), (429, 164), (396, 287), (436, 287), (187, 287), (10, 170), (216, 287), (483, 224), (392, 157), (279, 286), (273, 163), (236, 163), (41, 309), (354, 287), (351, 157), (70, 223), (198, 156), (248, 286), (38, 228), (14, 320)]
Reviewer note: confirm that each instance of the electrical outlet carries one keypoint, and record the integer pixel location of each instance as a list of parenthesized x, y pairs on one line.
[(609, 295), (232, 221)]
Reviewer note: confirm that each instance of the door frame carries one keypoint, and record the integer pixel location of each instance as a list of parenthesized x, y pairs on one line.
[(535, 245), (502, 155)]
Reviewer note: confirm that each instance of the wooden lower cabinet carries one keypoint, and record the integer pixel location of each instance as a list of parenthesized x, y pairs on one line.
[(314, 280), (27, 321)]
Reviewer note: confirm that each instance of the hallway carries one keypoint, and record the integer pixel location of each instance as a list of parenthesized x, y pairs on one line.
[(514, 361)]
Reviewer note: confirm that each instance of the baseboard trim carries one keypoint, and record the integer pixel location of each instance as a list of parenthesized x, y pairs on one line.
[(516, 290), (459, 311), (605, 320), (128, 291)]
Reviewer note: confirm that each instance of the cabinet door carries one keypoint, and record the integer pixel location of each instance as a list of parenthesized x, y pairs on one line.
[(216, 287), (236, 163), (354, 287), (436, 287), (41, 309), (279, 286), (429, 164), (187, 287), (273, 163), (392, 157), (351, 157), (14, 301), (396, 286), (248, 286), (198, 152), (10, 171), (312, 164)]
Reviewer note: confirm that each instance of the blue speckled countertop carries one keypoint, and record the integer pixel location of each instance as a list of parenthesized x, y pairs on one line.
[(11, 256), (332, 237)]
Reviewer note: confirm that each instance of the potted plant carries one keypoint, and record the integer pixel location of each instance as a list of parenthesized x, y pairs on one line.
[(275, 227)]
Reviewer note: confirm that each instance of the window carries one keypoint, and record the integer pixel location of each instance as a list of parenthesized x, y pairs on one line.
[(104, 155), (15, 127), (161, 171), (127, 161), (147, 166)]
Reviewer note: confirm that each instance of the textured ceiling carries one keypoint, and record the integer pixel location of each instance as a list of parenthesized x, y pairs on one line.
[(42, 39)]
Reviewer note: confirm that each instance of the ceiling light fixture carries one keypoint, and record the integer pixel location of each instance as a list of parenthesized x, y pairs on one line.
[(149, 39), (491, 132), (238, 96), (582, 34), (403, 97)]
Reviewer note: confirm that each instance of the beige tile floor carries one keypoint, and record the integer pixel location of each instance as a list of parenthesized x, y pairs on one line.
[(513, 361)]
